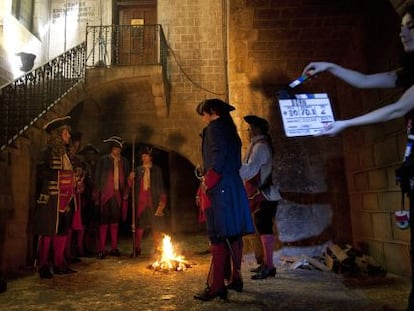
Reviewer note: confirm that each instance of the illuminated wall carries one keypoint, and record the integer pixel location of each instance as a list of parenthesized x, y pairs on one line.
[(58, 25)]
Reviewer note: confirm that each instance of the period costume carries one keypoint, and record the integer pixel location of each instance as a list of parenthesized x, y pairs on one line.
[(55, 200), (77, 228), (150, 200), (111, 193), (227, 212), (256, 172)]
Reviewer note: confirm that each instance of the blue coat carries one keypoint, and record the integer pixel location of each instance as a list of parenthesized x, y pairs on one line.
[(229, 214)]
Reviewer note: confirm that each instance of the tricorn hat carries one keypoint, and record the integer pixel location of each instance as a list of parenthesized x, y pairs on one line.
[(215, 104), (56, 123), (257, 122), (115, 141), (89, 148), (146, 150)]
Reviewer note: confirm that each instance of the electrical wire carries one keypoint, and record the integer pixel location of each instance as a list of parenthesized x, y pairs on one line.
[(188, 77)]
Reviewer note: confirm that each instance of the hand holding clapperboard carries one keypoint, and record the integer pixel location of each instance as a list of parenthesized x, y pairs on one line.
[(304, 114)]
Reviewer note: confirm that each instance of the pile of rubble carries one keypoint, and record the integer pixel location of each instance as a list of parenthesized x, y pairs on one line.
[(339, 260)]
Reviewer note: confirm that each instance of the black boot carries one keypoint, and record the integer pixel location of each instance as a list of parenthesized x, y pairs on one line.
[(236, 285), (264, 274), (44, 273), (207, 295)]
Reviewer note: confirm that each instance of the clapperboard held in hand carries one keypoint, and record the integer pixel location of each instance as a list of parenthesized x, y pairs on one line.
[(304, 114)]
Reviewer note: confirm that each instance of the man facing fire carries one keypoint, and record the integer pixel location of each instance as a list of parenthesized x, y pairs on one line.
[(150, 200)]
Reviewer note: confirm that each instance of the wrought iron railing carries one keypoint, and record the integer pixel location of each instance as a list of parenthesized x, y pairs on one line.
[(24, 100), (127, 45)]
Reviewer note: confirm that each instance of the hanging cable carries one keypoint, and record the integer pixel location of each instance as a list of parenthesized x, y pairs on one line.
[(188, 77)]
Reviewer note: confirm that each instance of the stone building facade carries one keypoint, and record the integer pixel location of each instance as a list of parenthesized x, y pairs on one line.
[(338, 189)]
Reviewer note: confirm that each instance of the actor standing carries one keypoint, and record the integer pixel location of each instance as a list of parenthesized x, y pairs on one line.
[(111, 194), (227, 213), (150, 200), (55, 198), (256, 172)]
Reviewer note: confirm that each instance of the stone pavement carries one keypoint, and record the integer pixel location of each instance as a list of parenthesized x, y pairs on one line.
[(125, 283)]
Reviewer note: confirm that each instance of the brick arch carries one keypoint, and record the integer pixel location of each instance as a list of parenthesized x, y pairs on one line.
[(124, 102)]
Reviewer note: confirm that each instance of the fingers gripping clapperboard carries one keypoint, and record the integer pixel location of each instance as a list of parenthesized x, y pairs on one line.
[(304, 114)]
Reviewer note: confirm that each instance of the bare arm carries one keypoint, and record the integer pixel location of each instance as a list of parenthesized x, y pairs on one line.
[(392, 111), (352, 77)]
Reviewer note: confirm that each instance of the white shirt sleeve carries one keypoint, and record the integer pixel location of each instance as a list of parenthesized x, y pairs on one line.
[(260, 156)]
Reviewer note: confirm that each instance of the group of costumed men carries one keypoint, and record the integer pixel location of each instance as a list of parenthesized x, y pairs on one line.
[(72, 194)]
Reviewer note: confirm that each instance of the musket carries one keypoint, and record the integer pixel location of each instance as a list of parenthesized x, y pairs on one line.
[(133, 201)]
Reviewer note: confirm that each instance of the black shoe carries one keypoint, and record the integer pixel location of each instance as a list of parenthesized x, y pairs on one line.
[(100, 255), (206, 295), (264, 274), (257, 269), (45, 273), (63, 270), (236, 285), (115, 252)]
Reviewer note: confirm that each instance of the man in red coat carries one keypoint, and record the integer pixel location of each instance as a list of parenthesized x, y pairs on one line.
[(55, 199), (151, 200), (111, 193)]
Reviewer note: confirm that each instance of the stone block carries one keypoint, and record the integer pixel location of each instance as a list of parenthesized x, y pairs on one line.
[(381, 226), (370, 201), (385, 152), (377, 179), (397, 258)]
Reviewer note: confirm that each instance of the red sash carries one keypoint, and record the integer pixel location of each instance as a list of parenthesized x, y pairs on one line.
[(254, 195), (66, 188)]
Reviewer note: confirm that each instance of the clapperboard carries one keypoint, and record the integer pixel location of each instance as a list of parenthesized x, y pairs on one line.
[(304, 114)]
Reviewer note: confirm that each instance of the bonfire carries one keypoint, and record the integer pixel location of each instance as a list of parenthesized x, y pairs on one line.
[(169, 261)]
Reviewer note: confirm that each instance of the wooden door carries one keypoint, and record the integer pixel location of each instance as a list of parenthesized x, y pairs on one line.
[(138, 37)]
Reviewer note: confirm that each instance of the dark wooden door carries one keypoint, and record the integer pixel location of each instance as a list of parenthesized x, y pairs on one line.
[(138, 37)]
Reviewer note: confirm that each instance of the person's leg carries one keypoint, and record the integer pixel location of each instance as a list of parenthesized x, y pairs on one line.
[(43, 257), (236, 257), (68, 244), (139, 233), (264, 223), (114, 239), (216, 288), (80, 242), (103, 228)]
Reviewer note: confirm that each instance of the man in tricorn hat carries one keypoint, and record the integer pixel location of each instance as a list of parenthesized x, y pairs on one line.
[(256, 172), (55, 198), (111, 193), (151, 199)]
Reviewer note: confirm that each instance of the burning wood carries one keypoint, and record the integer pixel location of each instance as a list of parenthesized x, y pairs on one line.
[(169, 261)]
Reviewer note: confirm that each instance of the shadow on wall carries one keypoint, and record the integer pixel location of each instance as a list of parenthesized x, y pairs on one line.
[(269, 83)]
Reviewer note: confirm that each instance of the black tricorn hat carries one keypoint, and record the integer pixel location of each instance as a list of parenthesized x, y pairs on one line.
[(89, 148), (56, 123), (115, 141), (146, 150), (257, 122), (215, 104)]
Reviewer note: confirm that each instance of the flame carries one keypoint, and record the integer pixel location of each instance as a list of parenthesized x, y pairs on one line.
[(168, 260)]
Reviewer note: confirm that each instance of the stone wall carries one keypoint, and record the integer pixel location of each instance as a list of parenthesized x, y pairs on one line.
[(339, 189)]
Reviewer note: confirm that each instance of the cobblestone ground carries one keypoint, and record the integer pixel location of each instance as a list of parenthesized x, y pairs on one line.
[(125, 283)]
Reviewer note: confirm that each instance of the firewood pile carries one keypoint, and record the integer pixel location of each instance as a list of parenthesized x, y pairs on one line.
[(338, 260)]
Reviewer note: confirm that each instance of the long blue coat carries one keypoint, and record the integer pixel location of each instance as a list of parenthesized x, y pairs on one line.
[(229, 214)]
